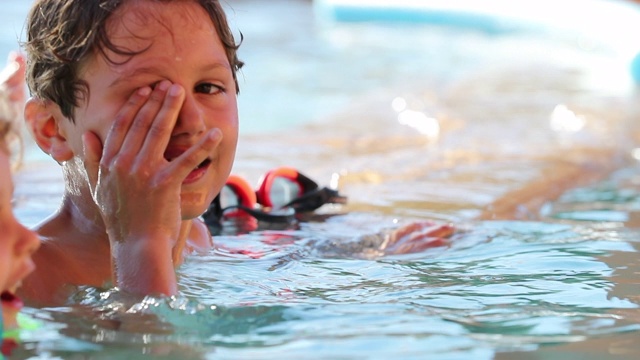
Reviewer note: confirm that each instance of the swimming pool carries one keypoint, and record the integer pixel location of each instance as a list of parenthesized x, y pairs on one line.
[(524, 140)]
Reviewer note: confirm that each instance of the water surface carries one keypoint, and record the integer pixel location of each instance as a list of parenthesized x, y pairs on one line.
[(531, 158)]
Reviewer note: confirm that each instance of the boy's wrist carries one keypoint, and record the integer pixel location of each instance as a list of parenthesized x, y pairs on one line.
[(144, 266)]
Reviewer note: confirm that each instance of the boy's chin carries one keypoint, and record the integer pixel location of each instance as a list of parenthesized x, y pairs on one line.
[(194, 204), (190, 212)]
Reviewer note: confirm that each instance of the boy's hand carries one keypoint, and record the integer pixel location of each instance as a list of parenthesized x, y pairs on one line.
[(416, 237), (12, 87), (136, 189)]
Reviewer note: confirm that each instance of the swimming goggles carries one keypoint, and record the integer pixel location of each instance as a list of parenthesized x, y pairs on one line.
[(282, 194)]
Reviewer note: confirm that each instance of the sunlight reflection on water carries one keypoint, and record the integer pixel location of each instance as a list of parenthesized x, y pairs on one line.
[(516, 114)]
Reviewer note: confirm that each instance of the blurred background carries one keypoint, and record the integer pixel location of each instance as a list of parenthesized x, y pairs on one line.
[(458, 111), (468, 101)]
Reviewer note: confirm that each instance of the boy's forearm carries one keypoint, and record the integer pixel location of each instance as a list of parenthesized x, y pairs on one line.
[(144, 267)]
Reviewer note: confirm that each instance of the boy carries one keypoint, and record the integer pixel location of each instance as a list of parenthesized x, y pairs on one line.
[(136, 100), (17, 243)]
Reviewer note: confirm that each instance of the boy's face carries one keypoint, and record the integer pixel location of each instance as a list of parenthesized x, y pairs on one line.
[(182, 46), (17, 243)]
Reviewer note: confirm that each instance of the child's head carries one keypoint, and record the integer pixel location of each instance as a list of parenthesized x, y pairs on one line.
[(87, 57), (17, 243), (64, 34)]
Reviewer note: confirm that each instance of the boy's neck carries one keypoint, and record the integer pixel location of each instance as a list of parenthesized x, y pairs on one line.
[(78, 209), (179, 248), (82, 218)]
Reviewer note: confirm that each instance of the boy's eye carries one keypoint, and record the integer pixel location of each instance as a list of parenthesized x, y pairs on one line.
[(208, 88)]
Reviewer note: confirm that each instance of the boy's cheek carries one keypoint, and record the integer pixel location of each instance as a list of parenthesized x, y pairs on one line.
[(9, 318), (97, 119), (4, 267)]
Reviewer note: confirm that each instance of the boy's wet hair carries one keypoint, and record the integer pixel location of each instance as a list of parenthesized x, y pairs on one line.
[(62, 34)]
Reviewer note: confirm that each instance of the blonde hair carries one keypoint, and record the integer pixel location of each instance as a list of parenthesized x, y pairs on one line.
[(9, 133)]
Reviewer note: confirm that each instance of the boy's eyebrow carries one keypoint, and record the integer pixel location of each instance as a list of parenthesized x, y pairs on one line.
[(153, 70)]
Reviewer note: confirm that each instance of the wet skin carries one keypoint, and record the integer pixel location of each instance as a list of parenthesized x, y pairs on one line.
[(149, 149), (17, 243)]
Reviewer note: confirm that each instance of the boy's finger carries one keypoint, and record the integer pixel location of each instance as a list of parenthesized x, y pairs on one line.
[(92, 150), (412, 227), (150, 113), (441, 231), (122, 123), (181, 166), (14, 72), (159, 134)]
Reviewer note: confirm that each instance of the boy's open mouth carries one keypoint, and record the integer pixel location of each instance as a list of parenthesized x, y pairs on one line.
[(170, 155), (173, 152), (205, 163), (10, 300), (11, 305)]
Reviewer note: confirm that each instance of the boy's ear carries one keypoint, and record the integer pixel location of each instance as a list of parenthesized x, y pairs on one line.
[(42, 118)]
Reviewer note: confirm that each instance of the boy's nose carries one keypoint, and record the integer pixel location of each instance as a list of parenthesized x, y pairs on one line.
[(28, 242), (191, 119)]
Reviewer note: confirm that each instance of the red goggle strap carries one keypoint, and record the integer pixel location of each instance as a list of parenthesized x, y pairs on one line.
[(286, 172), (244, 191), (246, 202), (311, 197)]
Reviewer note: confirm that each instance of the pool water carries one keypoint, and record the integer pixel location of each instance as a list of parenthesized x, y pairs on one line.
[(526, 141)]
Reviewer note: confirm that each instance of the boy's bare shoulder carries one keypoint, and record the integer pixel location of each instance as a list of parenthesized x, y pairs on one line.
[(44, 286), (62, 263)]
